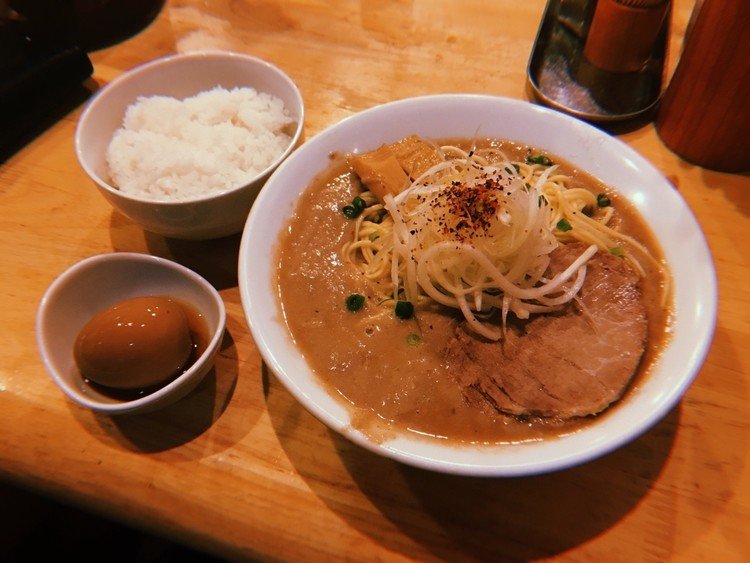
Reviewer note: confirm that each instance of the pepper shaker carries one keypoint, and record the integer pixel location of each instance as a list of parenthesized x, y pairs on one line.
[(623, 32), (704, 115)]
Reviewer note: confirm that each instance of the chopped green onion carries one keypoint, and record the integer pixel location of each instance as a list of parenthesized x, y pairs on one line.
[(404, 309), (413, 339), (355, 301), (358, 203), (517, 167), (355, 208), (617, 251), (374, 236), (563, 225), (538, 159), (602, 200), (350, 212)]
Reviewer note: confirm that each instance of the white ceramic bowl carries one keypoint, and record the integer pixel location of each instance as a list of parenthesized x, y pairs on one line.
[(181, 76), (465, 116), (101, 281)]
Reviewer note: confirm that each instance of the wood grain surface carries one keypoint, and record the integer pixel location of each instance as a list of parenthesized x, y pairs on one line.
[(239, 467)]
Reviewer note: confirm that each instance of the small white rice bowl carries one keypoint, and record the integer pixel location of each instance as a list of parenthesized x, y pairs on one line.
[(171, 149), (198, 213)]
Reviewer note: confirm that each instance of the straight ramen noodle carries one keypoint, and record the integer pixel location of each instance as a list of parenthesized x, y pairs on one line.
[(436, 286)]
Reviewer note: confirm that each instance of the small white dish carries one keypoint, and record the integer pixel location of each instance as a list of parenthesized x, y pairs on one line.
[(101, 281), (182, 76), (445, 116)]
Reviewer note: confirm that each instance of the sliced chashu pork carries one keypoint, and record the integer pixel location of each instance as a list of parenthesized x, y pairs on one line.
[(561, 365)]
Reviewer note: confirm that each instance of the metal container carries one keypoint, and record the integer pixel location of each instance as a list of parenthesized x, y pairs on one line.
[(561, 76)]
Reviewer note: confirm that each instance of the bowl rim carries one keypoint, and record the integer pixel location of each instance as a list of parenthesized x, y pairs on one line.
[(588, 452), (134, 72), (62, 281)]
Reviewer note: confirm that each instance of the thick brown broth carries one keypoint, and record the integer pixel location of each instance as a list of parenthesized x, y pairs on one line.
[(366, 357)]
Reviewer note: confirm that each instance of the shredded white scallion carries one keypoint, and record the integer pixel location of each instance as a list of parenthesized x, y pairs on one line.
[(475, 233)]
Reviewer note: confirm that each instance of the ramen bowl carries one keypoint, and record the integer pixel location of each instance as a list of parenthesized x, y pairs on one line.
[(585, 147), (181, 76), (96, 283)]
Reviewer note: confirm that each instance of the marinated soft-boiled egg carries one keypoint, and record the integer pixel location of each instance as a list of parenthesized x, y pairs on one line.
[(138, 343)]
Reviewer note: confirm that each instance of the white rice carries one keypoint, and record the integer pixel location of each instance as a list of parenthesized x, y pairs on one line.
[(170, 149)]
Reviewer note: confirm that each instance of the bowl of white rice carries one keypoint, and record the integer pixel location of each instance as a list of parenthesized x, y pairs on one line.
[(183, 144)]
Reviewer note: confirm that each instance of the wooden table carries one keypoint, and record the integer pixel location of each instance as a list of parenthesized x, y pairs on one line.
[(239, 467)]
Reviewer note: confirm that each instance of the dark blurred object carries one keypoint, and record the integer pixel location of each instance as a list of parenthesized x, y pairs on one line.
[(705, 116), (88, 24), (562, 77), (37, 528), (39, 79), (43, 60), (29, 66)]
